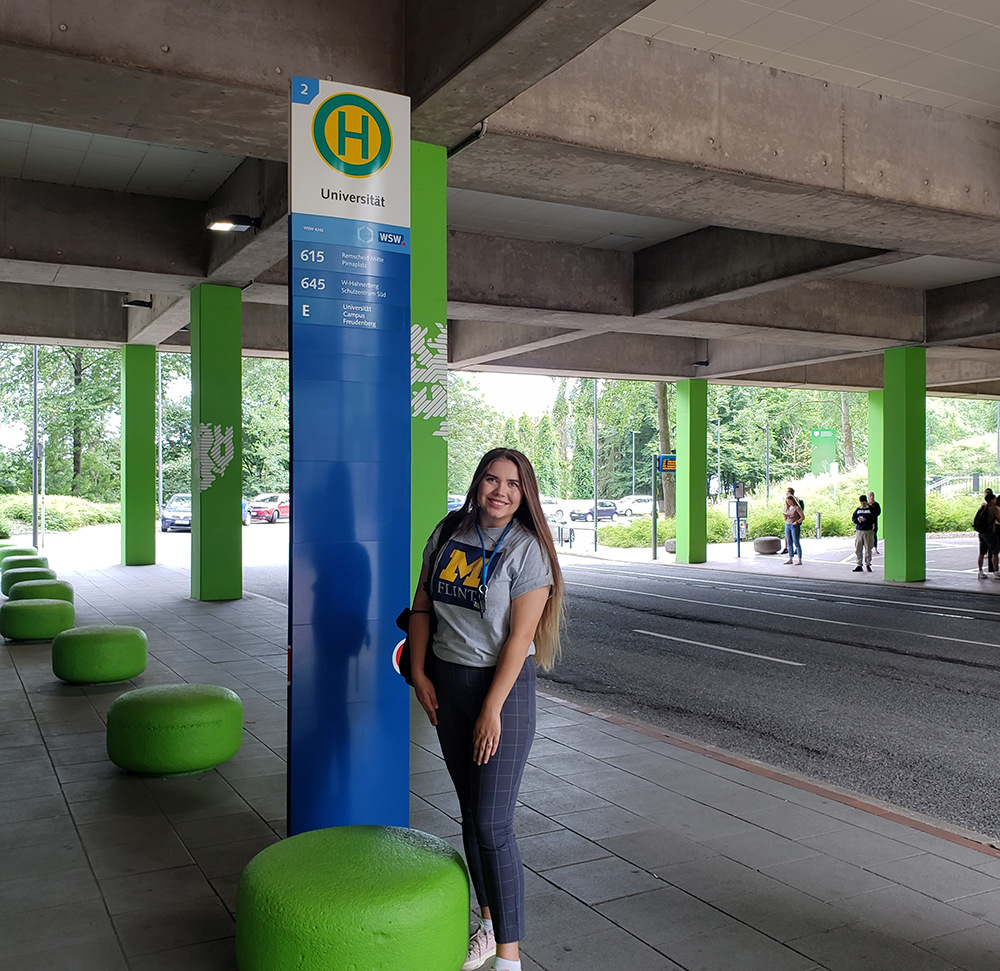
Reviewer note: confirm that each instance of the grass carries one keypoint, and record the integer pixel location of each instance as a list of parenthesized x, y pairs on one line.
[(62, 513)]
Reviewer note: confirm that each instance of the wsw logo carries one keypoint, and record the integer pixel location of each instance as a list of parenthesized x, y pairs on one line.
[(352, 135)]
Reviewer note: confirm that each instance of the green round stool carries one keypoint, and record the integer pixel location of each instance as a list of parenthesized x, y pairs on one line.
[(41, 588), (353, 898), (6, 551), (21, 561), (99, 654), (174, 729), (9, 578), (35, 620)]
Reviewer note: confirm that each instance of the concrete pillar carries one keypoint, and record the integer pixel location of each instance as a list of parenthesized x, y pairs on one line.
[(138, 437), (903, 499), (216, 435), (876, 444), (428, 344), (692, 431)]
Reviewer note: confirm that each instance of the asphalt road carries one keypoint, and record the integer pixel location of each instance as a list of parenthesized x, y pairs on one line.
[(892, 692)]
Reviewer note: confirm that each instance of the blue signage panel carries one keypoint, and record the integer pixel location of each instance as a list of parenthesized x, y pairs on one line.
[(349, 314)]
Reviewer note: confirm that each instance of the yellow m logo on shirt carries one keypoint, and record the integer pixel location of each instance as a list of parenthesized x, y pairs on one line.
[(458, 568)]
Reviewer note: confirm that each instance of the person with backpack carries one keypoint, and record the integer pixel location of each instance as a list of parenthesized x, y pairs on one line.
[(794, 517), (864, 533), (984, 523)]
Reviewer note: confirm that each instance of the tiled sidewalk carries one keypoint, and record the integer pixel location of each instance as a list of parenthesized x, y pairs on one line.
[(643, 852)]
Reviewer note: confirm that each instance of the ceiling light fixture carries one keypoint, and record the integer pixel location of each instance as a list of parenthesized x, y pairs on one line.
[(138, 303), (700, 363), (232, 223)]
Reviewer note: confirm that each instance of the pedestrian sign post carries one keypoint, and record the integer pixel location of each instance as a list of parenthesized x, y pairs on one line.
[(738, 514), (662, 463)]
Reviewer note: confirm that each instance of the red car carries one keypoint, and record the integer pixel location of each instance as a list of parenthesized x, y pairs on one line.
[(269, 507)]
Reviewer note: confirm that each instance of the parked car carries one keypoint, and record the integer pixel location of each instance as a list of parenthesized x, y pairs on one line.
[(554, 509), (269, 507), (455, 502), (244, 515), (605, 510), (176, 514), (635, 505)]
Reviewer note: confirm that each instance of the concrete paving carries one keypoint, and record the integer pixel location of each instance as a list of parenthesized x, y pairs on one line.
[(643, 850)]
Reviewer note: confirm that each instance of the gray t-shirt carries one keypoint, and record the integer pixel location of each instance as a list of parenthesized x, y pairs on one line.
[(464, 636)]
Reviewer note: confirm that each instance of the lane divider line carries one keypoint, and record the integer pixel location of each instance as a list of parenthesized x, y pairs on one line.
[(805, 593), (716, 647), (796, 617)]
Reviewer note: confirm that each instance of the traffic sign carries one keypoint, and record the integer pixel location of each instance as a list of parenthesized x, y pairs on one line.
[(666, 463)]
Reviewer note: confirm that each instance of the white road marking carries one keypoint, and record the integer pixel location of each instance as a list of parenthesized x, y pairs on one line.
[(716, 647), (797, 617), (865, 601)]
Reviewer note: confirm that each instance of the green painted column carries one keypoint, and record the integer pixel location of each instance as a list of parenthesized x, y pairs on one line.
[(876, 444), (138, 437), (428, 343), (903, 498), (216, 434), (692, 432)]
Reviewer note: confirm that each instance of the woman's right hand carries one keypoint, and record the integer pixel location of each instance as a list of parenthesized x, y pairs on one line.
[(426, 695)]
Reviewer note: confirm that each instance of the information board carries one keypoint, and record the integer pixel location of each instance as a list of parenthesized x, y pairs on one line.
[(349, 314)]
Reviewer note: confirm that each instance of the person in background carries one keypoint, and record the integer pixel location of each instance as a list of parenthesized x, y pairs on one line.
[(984, 523), (877, 509), (794, 517), (863, 520), (496, 592)]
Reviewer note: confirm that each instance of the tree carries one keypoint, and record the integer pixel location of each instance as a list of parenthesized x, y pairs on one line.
[(473, 425), (265, 426), (663, 421)]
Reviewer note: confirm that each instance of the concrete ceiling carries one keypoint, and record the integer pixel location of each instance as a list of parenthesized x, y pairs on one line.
[(763, 192), (66, 157), (943, 53)]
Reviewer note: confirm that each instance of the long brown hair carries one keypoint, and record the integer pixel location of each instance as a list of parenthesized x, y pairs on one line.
[(530, 515)]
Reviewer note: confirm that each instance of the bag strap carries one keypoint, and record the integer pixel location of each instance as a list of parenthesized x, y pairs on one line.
[(439, 547)]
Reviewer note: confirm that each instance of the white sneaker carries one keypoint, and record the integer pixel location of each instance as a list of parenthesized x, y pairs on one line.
[(982, 576), (482, 946)]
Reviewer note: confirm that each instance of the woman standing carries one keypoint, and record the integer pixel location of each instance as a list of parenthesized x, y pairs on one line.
[(794, 517), (496, 591)]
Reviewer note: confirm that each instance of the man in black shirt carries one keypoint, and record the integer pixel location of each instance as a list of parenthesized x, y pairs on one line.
[(877, 509), (864, 533)]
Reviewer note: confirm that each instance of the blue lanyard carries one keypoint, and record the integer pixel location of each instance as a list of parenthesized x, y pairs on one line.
[(488, 563)]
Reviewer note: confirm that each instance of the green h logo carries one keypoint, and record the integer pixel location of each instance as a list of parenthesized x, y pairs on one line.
[(358, 129)]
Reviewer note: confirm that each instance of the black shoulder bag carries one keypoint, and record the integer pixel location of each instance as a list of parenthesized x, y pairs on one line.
[(403, 623)]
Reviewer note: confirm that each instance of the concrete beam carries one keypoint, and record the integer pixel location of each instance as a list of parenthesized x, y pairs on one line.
[(194, 74), (264, 333), (963, 312), (466, 60), (92, 238), (260, 189), (734, 359), (856, 374), (493, 270), (643, 126), (833, 313), (473, 342), (61, 315), (641, 358), (714, 265), (153, 325)]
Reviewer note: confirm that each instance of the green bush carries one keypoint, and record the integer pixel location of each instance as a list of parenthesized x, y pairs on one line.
[(951, 515), (637, 533), (62, 513), (719, 527), (765, 522)]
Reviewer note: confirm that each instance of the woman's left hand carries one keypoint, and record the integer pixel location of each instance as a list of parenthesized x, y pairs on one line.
[(485, 737)]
